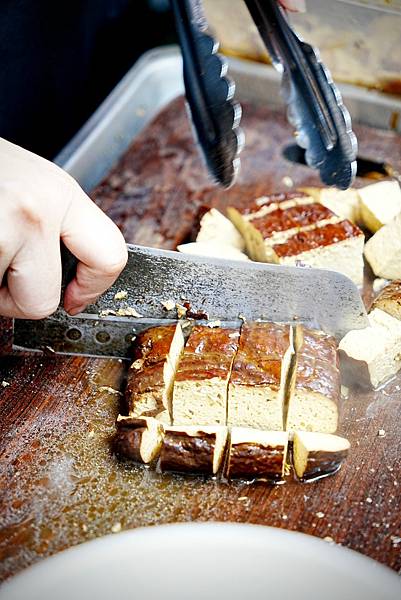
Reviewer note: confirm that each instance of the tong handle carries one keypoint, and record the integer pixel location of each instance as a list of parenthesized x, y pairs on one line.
[(288, 52)]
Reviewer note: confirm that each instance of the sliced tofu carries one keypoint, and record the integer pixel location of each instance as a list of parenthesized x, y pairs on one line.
[(334, 246), (139, 439), (254, 396), (212, 248), (318, 454), (380, 203), (383, 250), (344, 203), (200, 388), (256, 454), (215, 227), (193, 449), (314, 404), (389, 299), (151, 375), (372, 355)]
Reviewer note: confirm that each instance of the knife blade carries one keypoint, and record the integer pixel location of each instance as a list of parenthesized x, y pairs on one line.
[(224, 290)]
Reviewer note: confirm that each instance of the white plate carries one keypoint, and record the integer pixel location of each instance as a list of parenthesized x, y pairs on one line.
[(199, 561)]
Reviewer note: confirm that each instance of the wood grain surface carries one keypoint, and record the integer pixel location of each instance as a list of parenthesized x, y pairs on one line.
[(60, 483)]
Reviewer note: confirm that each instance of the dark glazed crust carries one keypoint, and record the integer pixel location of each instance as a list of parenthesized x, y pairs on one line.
[(323, 463), (254, 461), (318, 365), (185, 453), (127, 442), (292, 217), (153, 345), (151, 348), (261, 350), (317, 238), (208, 353)]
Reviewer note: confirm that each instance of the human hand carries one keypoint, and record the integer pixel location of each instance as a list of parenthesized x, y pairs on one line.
[(40, 205), (294, 5)]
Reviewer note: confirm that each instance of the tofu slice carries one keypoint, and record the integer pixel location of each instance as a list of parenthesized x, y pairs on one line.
[(380, 203), (389, 299), (215, 227), (193, 449), (317, 390), (254, 397), (200, 388), (212, 248), (318, 454), (151, 375), (334, 246), (256, 454), (383, 250), (344, 203), (372, 355), (139, 439)]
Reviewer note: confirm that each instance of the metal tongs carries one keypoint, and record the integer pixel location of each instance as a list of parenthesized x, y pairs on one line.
[(315, 107)]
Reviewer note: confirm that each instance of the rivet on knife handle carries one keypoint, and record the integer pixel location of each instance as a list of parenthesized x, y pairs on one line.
[(209, 93), (315, 107)]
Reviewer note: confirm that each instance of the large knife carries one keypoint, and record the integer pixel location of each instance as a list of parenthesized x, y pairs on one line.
[(156, 283)]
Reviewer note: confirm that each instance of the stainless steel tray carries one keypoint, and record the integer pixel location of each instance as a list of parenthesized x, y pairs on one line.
[(156, 79)]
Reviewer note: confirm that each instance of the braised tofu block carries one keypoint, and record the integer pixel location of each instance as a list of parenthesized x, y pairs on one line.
[(256, 454), (151, 375), (212, 248), (383, 250), (139, 439), (215, 227), (193, 449), (334, 246), (254, 398), (200, 388), (372, 355), (318, 454), (380, 203), (389, 299), (316, 396), (344, 203)]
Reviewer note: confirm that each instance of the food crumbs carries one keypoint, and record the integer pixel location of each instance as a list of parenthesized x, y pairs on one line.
[(137, 364), (106, 388), (107, 312), (328, 539), (243, 498), (381, 433), (128, 312), (116, 528), (122, 295), (395, 540), (91, 433), (284, 517), (168, 305), (4, 383), (320, 515), (213, 324), (84, 528), (181, 311), (369, 500)]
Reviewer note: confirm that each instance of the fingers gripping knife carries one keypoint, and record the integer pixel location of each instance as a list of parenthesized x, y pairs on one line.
[(315, 108)]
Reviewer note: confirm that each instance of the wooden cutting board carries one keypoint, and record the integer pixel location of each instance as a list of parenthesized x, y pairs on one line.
[(60, 483)]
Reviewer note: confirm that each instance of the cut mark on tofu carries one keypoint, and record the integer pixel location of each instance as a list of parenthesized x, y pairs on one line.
[(200, 388), (254, 398)]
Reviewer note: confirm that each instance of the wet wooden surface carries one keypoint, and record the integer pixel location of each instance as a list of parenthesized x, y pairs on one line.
[(60, 483)]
